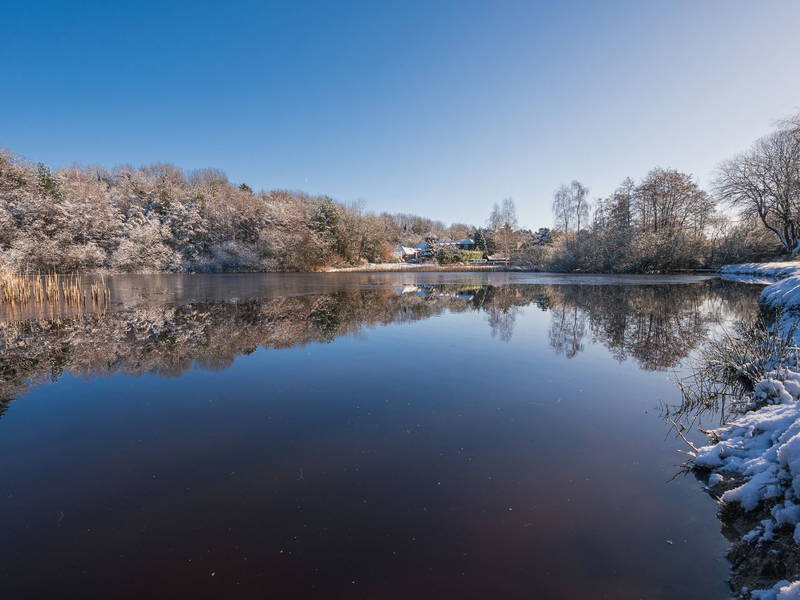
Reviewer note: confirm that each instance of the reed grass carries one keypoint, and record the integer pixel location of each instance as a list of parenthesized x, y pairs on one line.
[(722, 378), (51, 288)]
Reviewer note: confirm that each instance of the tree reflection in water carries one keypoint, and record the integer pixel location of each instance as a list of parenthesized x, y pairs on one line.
[(656, 325), (567, 330)]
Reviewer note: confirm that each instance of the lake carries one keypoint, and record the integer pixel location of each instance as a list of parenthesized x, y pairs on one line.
[(396, 435)]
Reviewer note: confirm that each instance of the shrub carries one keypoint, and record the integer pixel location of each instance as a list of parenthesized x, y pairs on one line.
[(467, 255), (447, 255)]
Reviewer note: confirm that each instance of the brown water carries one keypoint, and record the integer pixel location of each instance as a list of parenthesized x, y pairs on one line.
[(362, 436)]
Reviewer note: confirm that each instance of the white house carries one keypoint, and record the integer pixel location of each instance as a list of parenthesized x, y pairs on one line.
[(404, 253)]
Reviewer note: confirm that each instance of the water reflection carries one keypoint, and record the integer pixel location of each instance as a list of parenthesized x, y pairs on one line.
[(458, 453), (656, 326), (567, 330)]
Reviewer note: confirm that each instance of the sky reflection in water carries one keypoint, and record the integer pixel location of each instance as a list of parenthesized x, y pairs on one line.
[(376, 436)]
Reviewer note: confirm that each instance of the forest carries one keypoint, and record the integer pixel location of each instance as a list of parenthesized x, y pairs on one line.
[(158, 218)]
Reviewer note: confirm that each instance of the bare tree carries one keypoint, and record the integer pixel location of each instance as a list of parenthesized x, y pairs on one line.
[(562, 213), (571, 206), (503, 223), (764, 183), (580, 203), (668, 201), (459, 231), (503, 215)]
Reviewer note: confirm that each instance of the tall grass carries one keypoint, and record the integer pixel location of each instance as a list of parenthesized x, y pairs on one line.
[(723, 377), (51, 288)]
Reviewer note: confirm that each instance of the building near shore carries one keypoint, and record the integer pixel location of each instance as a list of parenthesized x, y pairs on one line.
[(404, 253)]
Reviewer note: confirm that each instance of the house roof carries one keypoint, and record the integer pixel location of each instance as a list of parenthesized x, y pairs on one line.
[(456, 242), (424, 245)]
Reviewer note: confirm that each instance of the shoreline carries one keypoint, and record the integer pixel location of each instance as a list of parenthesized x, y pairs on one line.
[(461, 268), (426, 268), (752, 463), (385, 268)]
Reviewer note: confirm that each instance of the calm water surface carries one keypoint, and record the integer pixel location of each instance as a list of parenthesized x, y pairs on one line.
[(358, 436)]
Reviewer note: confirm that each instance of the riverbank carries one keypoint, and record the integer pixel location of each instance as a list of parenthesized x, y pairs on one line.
[(502, 268), (773, 270), (753, 463), (425, 268)]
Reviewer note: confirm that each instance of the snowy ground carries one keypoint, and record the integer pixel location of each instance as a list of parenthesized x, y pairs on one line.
[(775, 270), (783, 590), (754, 462)]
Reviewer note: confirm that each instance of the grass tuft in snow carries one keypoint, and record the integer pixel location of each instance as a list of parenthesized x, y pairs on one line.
[(728, 377)]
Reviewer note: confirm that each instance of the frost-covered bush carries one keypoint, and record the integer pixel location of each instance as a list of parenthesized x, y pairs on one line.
[(88, 256), (144, 248), (234, 256), (156, 218)]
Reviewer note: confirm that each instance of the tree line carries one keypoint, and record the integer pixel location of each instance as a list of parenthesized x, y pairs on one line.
[(159, 218), (666, 221)]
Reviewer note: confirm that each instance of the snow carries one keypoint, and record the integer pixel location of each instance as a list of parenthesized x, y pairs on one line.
[(759, 447), (776, 270), (783, 590), (783, 294), (760, 450), (752, 279)]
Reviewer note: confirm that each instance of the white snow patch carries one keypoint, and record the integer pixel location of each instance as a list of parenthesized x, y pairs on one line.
[(783, 590), (784, 294), (775, 270)]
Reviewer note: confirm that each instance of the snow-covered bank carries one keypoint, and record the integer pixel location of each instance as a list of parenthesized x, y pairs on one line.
[(774, 270), (784, 295), (753, 464), (783, 590)]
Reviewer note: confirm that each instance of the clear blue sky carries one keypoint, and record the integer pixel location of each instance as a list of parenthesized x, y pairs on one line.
[(438, 108)]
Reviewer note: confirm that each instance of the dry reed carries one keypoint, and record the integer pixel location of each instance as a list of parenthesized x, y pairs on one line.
[(17, 288)]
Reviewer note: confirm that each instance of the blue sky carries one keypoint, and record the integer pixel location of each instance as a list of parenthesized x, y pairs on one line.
[(437, 108)]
